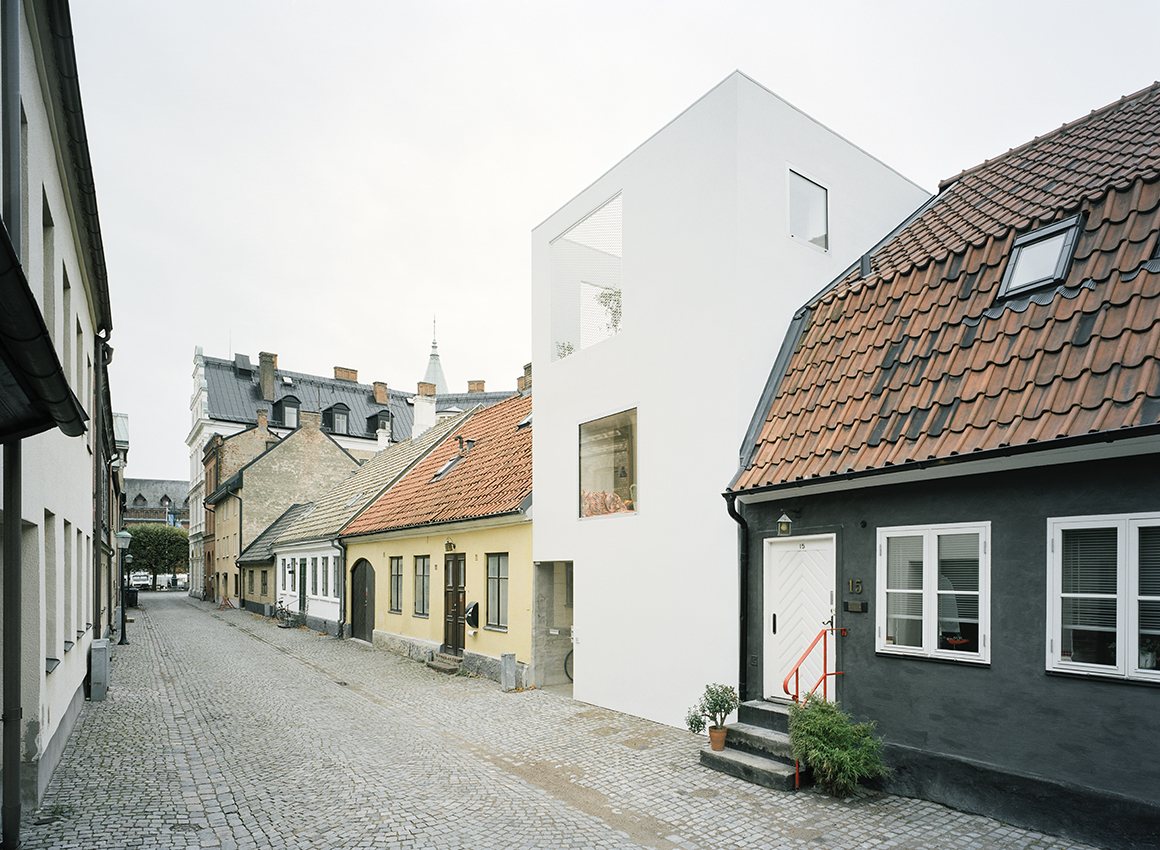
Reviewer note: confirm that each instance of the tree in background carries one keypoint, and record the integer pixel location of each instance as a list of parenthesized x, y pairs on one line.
[(159, 549)]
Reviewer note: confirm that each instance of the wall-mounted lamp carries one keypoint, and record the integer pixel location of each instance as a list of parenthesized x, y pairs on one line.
[(783, 525), (449, 545)]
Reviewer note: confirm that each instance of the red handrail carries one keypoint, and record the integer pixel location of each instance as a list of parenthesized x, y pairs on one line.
[(795, 674)]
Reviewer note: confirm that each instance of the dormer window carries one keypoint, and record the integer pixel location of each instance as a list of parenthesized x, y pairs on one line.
[(139, 502), (1041, 257), (335, 418), (378, 421), (286, 409)]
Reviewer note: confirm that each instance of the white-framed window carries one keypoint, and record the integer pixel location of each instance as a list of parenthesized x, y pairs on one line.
[(1103, 595), (325, 573), (933, 591), (809, 213)]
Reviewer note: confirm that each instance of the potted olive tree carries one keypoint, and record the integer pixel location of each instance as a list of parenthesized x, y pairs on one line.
[(716, 704)]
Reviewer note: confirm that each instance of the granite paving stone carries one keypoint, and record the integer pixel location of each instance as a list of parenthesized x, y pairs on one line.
[(221, 730)]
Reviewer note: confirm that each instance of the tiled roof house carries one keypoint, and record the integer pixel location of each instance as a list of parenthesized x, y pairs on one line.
[(455, 530), (308, 559), (956, 458)]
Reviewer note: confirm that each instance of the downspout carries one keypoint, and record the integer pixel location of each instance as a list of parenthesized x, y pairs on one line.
[(236, 495), (339, 544), (743, 593), (13, 510), (103, 509)]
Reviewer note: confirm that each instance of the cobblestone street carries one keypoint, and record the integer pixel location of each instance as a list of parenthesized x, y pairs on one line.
[(222, 730)]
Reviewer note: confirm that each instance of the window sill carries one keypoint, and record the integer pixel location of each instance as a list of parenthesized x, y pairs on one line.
[(421, 616), (502, 629), (394, 610), (1120, 678), (936, 659)]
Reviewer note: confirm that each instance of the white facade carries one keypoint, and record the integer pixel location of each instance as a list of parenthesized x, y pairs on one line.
[(308, 578), (60, 547), (708, 277)]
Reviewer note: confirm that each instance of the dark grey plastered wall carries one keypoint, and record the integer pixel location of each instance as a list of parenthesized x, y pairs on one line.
[(987, 738)]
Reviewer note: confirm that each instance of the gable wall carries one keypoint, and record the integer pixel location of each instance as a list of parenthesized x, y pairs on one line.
[(710, 281)]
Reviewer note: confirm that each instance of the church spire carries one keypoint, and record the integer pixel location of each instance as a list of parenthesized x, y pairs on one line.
[(434, 373)]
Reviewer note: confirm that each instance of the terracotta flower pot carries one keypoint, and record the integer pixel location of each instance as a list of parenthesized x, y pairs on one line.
[(717, 738)]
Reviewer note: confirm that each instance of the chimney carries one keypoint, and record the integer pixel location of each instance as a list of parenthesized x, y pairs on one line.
[(475, 386), (426, 389), (424, 412), (384, 435), (267, 363), (311, 420), (381, 393), (524, 382), (341, 373), (263, 420)]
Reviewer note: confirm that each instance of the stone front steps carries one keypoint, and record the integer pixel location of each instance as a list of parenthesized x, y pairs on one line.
[(757, 747), (444, 663)]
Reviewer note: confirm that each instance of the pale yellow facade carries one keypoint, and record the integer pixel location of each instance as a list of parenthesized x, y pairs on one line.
[(403, 629), (227, 531)]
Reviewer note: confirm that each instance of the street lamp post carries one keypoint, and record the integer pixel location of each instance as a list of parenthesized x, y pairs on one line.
[(123, 538)]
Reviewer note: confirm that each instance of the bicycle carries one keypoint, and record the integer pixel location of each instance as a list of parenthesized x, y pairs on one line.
[(283, 615)]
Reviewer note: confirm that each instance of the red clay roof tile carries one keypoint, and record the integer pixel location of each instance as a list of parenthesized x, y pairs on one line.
[(921, 361)]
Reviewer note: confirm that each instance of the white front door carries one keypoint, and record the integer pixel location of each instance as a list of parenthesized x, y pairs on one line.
[(799, 602)]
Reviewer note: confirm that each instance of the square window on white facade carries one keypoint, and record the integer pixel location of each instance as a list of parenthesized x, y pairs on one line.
[(586, 302), (1040, 258), (1104, 595), (608, 465), (809, 215), (933, 591)]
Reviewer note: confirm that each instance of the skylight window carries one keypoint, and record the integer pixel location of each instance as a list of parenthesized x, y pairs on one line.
[(1040, 258)]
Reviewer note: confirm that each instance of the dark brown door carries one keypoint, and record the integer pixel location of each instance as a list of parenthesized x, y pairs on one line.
[(454, 602), (362, 600)]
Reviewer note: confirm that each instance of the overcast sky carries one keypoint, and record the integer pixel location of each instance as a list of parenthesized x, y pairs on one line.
[(321, 179)]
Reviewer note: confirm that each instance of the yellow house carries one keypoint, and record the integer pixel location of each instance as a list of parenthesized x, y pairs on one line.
[(441, 563)]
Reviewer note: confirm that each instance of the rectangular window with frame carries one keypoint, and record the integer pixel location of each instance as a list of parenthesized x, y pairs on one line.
[(396, 601), (293, 575), (809, 215), (314, 576), (497, 590), (1104, 595), (933, 589), (337, 575), (283, 573), (250, 581), (423, 585), (265, 582), (608, 465), (325, 573)]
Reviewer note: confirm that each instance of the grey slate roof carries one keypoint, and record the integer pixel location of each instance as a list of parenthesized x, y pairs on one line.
[(234, 395), (347, 498), (261, 551), (153, 489)]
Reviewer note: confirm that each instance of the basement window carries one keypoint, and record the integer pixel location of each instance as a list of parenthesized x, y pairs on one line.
[(1041, 257)]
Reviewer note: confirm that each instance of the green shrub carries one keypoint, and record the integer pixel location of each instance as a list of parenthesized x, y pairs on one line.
[(717, 703), (839, 751)]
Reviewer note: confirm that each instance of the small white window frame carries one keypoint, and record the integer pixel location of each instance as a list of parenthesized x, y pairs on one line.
[(792, 171), (1062, 262), (929, 647), (1127, 664)]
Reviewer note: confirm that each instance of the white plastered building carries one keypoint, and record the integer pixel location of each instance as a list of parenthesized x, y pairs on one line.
[(660, 295)]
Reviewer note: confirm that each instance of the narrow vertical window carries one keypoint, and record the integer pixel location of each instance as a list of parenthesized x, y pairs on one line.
[(396, 600), (497, 590), (809, 218), (325, 572), (423, 585), (314, 576)]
